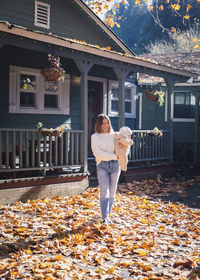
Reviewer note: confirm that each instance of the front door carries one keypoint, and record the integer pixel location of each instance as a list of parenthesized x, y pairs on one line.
[(95, 107)]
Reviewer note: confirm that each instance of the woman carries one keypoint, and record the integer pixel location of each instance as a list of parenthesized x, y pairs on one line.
[(108, 168)]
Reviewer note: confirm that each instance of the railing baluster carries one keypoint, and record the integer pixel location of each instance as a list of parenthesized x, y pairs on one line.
[(61, 150), (56, 150), (13, 149), (20, 150), (50, 151), (38, 149), (45, 151), (33, 149), (27, 148), (77, 148), (67, 148), (7, 150), (72, 148)]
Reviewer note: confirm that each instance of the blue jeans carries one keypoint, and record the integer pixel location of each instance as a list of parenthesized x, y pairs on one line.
[(108, 175)]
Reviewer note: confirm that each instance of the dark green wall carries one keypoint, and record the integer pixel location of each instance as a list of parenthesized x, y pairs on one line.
[(24, 58), (154, 116), (66, 20)]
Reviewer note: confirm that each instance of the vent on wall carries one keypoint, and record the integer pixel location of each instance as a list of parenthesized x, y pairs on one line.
[(42, 14)]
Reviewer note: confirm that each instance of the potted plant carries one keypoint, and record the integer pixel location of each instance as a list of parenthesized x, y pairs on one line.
[(58, 131), (154, 132), (53, 71), (155, 96)]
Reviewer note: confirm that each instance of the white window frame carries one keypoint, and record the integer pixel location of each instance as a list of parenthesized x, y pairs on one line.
[(14, 93), (45, 6), (115, 84), (172, 108)]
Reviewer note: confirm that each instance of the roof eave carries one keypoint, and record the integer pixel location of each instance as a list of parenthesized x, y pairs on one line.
[(46, 38)]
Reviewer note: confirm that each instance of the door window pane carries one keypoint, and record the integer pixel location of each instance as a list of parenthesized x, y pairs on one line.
[(128, 93), (114, 93), (114, 106), (127, 107), (27, 99)]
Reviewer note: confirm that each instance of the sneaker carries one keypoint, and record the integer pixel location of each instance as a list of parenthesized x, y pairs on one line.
[(106, 221)]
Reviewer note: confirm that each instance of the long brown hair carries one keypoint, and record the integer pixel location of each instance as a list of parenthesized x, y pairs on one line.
[(99, 122)]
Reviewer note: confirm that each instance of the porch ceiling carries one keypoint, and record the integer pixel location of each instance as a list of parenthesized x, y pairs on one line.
[(76, 50)]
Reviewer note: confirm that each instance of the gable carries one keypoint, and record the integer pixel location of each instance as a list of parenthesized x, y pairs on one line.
[(68, 19)]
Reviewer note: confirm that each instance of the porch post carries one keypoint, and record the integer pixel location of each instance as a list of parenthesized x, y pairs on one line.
[(170, 89), (121, 74), (84, 67), (196, 129)]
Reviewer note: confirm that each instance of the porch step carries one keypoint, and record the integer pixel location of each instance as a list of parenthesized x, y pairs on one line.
[(40, 187)]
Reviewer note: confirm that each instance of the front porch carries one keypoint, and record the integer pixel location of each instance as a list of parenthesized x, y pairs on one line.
[(24, 150)]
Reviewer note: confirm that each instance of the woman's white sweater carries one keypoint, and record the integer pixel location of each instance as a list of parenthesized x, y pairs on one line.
[(103, 146)]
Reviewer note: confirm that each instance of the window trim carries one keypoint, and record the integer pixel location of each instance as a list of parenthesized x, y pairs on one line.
[(115, 84), (14, 93), (172, 108), (47, 6), (180, 119)]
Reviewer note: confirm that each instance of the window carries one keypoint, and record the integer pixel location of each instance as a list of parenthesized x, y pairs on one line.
[(130, 99), (42, 14), (184, 105), (30, 93)]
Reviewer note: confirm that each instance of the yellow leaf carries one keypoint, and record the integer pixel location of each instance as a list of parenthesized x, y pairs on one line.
[(141, 253), (117, 5), (123, 2), (197, 46), (111, 270), (187, 17), (28, 252), (144, 221), (151, 8), (173, 30), (161, 7), (188, 7), (195, 39), (146, 268), (138, 2), (176, 7), (58, 257)]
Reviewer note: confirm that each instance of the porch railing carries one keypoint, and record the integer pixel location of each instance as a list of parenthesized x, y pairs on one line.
[(146, 147), (26, 149)]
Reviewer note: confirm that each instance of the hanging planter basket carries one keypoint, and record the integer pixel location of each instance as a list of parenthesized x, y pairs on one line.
[(53, 72), (150, 96)]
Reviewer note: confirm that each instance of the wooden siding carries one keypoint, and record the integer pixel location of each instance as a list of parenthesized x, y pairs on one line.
[(21, 57), (66, 20)]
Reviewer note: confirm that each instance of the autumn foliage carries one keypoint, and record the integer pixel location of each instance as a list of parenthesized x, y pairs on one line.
[(62, 237)]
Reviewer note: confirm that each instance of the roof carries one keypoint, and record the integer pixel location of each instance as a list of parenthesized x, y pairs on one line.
[(140, 64), (183, 61), (103, 26)]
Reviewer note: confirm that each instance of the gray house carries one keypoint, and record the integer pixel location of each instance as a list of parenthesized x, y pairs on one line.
[(100, 76), (185, 105)]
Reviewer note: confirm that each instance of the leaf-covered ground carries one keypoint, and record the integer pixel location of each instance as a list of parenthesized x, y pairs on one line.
[(62, 238)]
